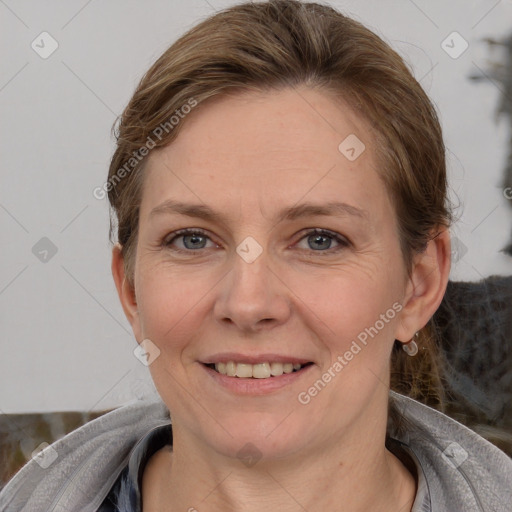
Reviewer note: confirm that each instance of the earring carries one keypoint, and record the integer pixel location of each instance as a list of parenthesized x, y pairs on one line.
[(411, 347)]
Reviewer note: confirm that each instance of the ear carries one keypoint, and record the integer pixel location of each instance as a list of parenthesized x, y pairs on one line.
[(125, 291), (426, 287)]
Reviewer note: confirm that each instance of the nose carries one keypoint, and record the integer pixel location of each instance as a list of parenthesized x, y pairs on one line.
[(252, 296)]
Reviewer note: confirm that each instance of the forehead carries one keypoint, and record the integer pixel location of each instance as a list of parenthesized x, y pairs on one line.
[(255, 149)]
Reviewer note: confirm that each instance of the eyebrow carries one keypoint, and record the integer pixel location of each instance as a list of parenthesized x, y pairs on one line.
[(291, 213)]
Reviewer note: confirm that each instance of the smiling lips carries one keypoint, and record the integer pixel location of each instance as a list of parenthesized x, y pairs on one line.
[(256, 371)]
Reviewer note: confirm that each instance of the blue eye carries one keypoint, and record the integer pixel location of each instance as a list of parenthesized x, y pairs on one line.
[(320, 240), (192, 239)]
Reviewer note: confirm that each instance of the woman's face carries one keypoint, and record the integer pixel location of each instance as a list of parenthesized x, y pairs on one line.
[(250, 177)]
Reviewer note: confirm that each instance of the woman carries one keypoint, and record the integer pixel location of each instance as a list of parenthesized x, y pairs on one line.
[(279, 188)]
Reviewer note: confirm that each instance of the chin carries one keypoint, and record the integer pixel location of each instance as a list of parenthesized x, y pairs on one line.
[(255, 437)]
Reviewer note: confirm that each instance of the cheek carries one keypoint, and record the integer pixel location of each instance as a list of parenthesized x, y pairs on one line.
[(169, 305), (343, 302), (360, 318)]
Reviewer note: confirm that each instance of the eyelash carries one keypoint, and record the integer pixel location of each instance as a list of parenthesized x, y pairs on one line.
[(342, 241)]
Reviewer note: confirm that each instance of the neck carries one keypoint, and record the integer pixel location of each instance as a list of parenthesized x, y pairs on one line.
[(359, 475)]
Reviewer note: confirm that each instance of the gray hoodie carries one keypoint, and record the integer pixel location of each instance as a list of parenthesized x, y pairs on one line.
[(458, 471)]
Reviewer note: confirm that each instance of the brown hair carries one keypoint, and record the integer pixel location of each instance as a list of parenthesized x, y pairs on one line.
[(287, 43)]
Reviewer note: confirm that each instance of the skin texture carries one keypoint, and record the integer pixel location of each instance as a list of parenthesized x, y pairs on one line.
[(247, 156)]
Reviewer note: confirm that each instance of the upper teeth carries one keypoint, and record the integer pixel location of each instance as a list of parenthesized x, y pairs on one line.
[(258, 371)]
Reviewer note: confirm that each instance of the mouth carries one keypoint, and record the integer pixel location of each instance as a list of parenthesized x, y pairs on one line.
[(265, 370)]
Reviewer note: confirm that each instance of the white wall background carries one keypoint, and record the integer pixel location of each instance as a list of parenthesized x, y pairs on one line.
[(65, 342)]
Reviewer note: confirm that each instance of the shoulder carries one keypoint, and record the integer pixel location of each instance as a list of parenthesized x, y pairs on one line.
[(463, 471), (86, 462)]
